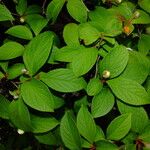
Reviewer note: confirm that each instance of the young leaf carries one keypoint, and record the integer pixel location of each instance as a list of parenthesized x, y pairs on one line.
[(37, 95), (94, 86), (11, 50), (129, 138), (43, 124), (84, 61), (4, 106), (88, 33), (145, 135), (119, 127), (37, 52), (80, 102), (36, 22), (139, 116), (137, 68), (5, 14), (19, 115), (4, 65), (102, 103), (143, 44), (86, 124), (20, 31), (77, 10), (71, 34), (63, 80), (21, 7), (129, 91), (15, 70), (58, 102), (69, 132), (105, 145), (47, 138), (54, 8), (115, 61)]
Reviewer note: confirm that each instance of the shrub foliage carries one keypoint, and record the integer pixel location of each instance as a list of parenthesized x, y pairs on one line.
[(75, 74)]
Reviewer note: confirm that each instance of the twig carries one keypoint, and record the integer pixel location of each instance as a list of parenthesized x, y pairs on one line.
[(43, 6)]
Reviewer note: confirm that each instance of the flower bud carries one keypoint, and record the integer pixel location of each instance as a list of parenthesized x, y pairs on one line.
[(118, 1), (22, 20), (24, 70), (16, 96), (106, 74), (148, 30), (20, 131), (136, 14)]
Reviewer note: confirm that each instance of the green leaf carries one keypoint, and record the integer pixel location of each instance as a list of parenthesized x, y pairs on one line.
[(77, 10), (58, 102), (94, 86), (130, 147), (105, 145), (20, 31), (63, 80), (71, 34), (130, 137), (119, 127), (105, 21), (125, 9), (69, 133), (102, 103), (80, 102), (144, 18), (145, 135), (2, 147), (129, 91), (4, 106), (5, 14), (144, 4), (67, 53), (19, 115), (139, 116), (137, 68), (15, 70), (37, 95), (37, 52), (4, 65), (33, 9), (115, 61), (100, 134), (36, 22), (84, 61), (143, 44), (47, 138), (43, 124), (54, 8), (21, 7), (88, 33), (11, 50), (86, 124)]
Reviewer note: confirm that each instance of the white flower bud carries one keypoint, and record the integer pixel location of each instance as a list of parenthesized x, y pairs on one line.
[(16, 96), (106, 74), (24, 70), (136, 14), (22, 20), (118, 1), (20, 131)]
